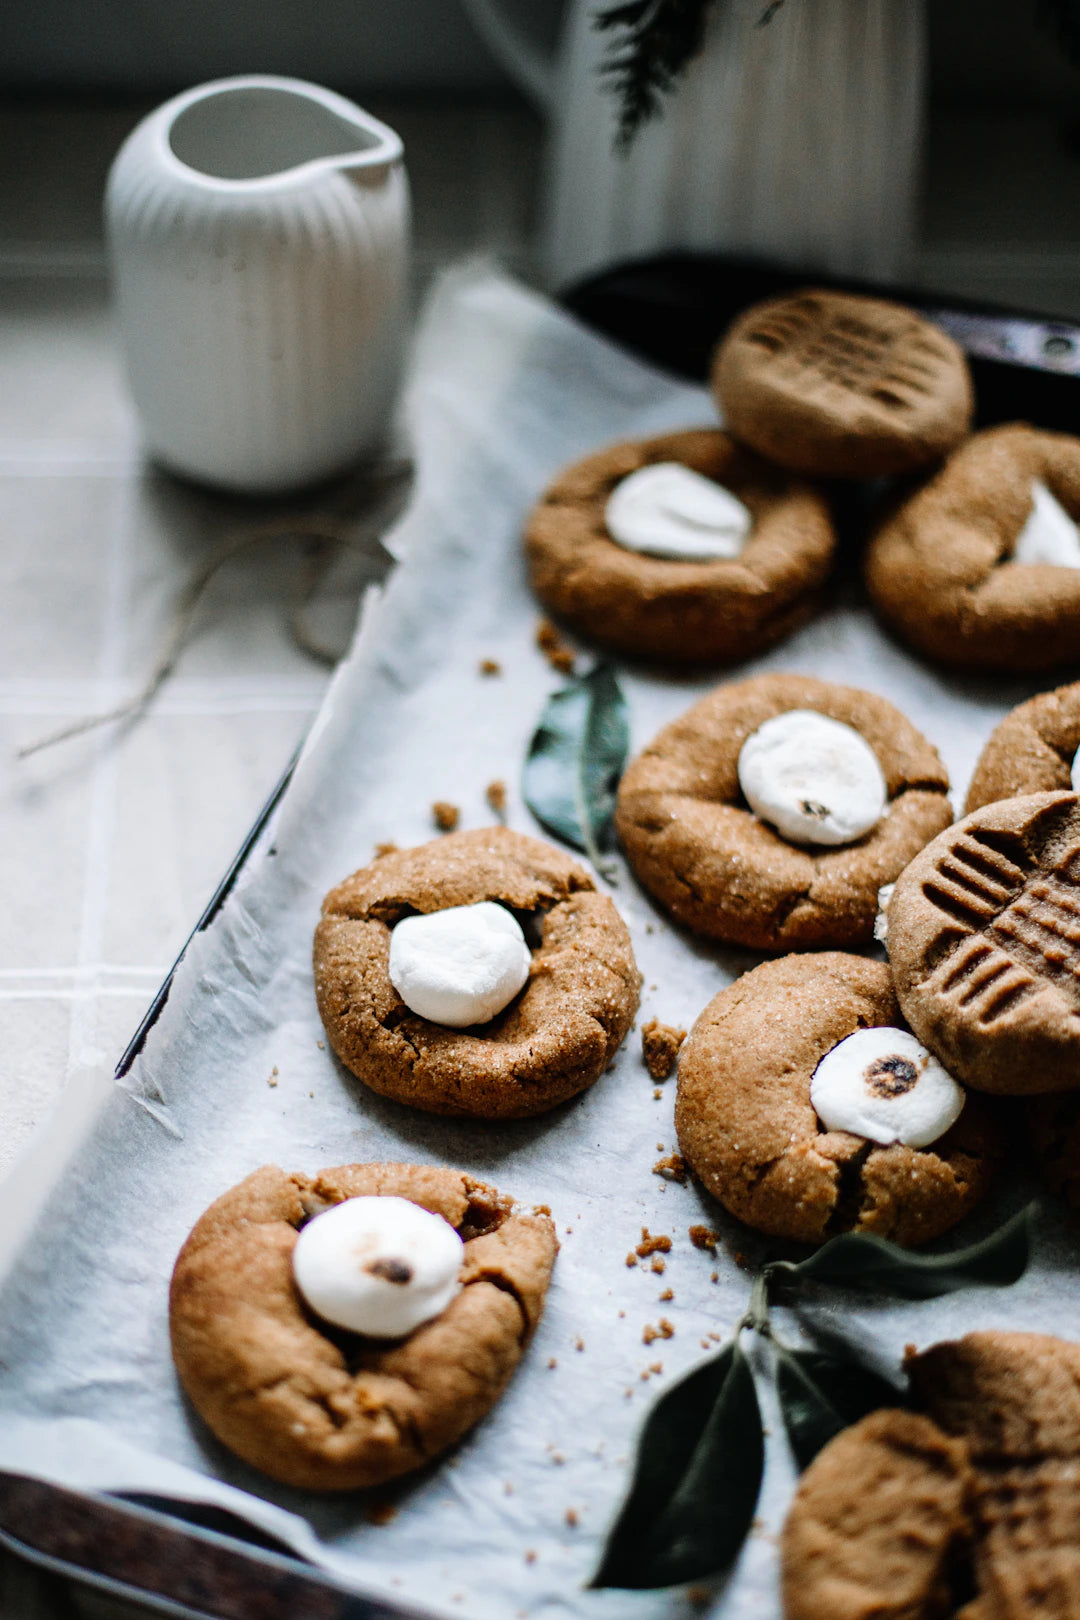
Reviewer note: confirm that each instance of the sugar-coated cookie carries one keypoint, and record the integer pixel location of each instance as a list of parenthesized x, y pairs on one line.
[(554, 1039), (1033, 750), (943, 570), (836, 385), (321, 1408), (984, 944), (969, 1507), (748, 1128), (722, 871), (681, 611)]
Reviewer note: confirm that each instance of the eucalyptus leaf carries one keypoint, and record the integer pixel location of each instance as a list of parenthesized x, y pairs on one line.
[(860, 1260), (575, 759), (821, 1394), (696, 1480)]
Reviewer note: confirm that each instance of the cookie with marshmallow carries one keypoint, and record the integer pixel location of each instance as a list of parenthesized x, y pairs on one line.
[(688, 548), (806, 1107), (481, 974), (773, 811), (340, 1329), (980, 567), (1035, 749)]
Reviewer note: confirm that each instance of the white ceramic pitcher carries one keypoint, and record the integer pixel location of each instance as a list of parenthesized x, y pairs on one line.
[(258, 232), (797, 141)]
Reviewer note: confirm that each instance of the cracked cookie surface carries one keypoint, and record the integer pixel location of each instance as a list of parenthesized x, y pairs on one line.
[(837, 385), (681, 612), (322, 1409), (554, 1039), (695, 844), (940, 570), (749, 1131), (984, 943), (1031, 751)]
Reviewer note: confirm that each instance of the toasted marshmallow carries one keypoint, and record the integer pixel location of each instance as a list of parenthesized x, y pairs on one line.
[(881, 1084), (1049, 535), (815, 779), (666, 510), (460, 966), (378, 1266)]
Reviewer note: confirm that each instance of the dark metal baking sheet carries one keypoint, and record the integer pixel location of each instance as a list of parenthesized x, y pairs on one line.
[(670, 310)]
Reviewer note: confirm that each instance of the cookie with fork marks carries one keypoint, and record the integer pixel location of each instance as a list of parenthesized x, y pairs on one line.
[(984, 944), (835, 385)]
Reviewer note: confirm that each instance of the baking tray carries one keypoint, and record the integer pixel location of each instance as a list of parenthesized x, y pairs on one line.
[(204, 1563)]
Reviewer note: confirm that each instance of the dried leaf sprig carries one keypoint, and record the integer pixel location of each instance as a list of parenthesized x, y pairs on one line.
[(701, 1454)]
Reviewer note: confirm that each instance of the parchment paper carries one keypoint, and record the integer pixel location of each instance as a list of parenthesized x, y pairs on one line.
[(504, 390)]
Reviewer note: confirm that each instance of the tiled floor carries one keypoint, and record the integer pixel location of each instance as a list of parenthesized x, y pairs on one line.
[(114, 841)]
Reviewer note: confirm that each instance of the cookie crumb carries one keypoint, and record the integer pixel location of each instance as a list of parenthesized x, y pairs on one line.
[(631, 1258), (272, 1080), (579, 1344), (704, 1344), (489, 666), (657, 1094), (554, 648), (656, 1366), (657, 1265), (669, 1293), (623, 1313), (663, 1330), (673, 1168), (660, 1047), (703, 1237), (552, 1362), (495, 794), (530, 1555), (381, 1512), (445, 816), (628, 1392), (321, 1045), (652, 1245), (557, 1457), (715, 1277), (387, 848), (571, 1517)]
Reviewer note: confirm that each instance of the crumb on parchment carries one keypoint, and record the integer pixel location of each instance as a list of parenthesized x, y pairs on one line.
[(660, 1047), (445, 816), (495, 794), (663, 1330), (554, 648), (673, 1168), (657, 1264), (571, 1517), (489, 666), (668, 1293), (273, 1077), (703, 1237), (652, 1245)]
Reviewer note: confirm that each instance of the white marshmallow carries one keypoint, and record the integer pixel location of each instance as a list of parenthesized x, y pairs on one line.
[(1074, 774), (881, 1084), (815, 779), (378, 1266), (459, 966), (666, 510), (881, 921), (1049, 535)]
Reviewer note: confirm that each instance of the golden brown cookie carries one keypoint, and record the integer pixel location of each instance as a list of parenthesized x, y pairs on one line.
[(940, 570), (555, 1038), (1014, 1400), (1031, 751), (682, 612), (877, 1524), (696, 845), (327, 1410), (984, 942), (841, 386), (748, 1129)]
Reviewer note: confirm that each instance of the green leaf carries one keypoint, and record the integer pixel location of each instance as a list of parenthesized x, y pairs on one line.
[(696, 1480), (859, 1260), (575, 759), (821, 1394)]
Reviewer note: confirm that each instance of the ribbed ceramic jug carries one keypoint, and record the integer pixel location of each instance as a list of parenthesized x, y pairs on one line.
[(258, 233)]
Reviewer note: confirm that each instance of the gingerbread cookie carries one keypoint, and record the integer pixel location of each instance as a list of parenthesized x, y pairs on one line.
[(978, 568), (747, 1109), (716, 585), (984, 943), (1033, 750), (552, 1039), (723, 870), (317, 1406), (836, 385), (970, 1509)]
